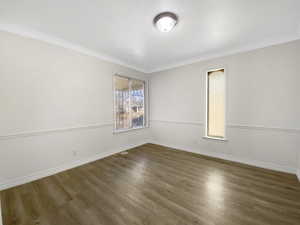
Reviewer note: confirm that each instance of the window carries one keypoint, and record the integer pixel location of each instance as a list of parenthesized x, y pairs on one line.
[(129, 103), (215, 108)]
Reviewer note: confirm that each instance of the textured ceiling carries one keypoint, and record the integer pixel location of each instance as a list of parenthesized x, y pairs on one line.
[(122, 31)]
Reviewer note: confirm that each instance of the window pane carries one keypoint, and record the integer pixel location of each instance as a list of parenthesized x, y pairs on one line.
[(216, 104), (137, 103), (122, 107), (129, 103)]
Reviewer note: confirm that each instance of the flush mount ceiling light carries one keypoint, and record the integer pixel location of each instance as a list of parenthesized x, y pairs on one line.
[(165, 21)]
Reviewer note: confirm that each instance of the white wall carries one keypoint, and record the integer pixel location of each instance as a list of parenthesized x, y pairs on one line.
[(55, 101), (263, 125)]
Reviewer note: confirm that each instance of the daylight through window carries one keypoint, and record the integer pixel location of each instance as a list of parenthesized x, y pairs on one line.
[(129, 102), (216, 104)]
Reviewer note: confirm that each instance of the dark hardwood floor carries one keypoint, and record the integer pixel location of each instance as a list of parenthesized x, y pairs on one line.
[(153, 185)]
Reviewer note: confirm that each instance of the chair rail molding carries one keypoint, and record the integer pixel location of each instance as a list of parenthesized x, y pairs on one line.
[(237, 126), (57, 130)]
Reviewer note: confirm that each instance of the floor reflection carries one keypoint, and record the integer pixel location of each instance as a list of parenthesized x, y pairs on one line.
[(215, 190)]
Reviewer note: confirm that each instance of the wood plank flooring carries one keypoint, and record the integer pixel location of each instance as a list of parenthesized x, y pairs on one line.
[(154, 185)]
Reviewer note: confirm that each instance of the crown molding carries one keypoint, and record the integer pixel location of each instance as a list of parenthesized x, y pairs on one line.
[(263, 44), (36, 35), (33, 34)]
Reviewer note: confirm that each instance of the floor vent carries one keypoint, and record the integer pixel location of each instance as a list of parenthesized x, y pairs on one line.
[(124, 153)]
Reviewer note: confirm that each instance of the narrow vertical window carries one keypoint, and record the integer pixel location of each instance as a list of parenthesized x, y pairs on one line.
[(129, 103), (215, 114)]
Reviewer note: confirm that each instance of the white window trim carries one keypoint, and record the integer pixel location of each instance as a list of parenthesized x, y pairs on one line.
[(145, 125), (206, 136)]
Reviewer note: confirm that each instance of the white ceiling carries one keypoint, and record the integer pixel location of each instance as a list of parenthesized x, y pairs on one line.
[(122, 31)]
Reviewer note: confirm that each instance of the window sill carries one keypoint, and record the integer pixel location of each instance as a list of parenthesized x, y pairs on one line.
[(215, 138), (128, 130)]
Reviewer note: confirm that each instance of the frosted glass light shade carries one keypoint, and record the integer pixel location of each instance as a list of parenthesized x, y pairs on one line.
[(165, 22)]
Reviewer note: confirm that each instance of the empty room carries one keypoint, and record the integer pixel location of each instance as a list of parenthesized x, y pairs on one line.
[(150, 112)]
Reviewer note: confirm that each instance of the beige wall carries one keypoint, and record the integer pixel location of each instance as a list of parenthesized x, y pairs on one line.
[(263, 126), (44, 91)]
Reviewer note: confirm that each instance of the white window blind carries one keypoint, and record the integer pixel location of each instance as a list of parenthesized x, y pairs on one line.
[(129, 103), (216, 104)]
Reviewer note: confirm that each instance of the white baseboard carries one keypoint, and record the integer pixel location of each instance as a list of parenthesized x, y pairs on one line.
[(298, 174), (261, 164), (48, 172), (1, 223)]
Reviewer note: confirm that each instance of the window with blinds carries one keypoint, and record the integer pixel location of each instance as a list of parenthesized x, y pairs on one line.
[(215, 124), (129, 103)]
